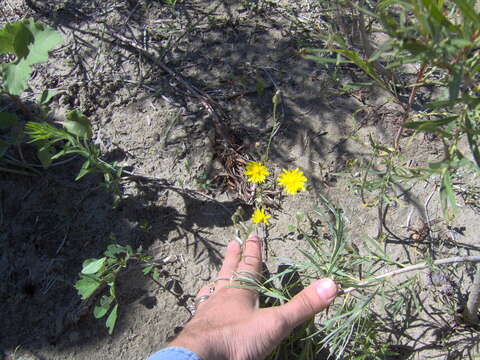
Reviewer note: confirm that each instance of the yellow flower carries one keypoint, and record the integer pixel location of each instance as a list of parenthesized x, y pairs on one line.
[(259, 216), (256, 172), (292, 181)]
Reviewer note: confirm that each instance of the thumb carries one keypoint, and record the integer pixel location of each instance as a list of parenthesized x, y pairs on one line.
[(308, 302)]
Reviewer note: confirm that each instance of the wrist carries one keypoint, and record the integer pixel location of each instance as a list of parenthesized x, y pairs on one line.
[(196, 344)]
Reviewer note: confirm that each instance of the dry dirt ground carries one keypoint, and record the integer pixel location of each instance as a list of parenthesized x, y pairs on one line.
[(130, 67)]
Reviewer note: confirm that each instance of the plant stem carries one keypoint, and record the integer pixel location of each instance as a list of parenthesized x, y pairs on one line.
[(276, 125), (416, 267), (408, 106), (470, 314)]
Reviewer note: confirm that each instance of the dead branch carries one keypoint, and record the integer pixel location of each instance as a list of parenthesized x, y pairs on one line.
[(416, 267)]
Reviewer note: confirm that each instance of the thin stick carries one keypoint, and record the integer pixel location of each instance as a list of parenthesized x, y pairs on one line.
[(416, 267)]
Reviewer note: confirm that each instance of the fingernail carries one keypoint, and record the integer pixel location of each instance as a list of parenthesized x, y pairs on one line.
[(327, 290), (253, 237), (233, 243)]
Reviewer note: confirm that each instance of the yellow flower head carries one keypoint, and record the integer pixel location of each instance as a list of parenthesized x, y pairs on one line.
[(259, 216), (292, 181), (256, 172)]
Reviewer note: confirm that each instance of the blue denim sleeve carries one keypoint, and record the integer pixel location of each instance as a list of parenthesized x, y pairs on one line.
[(174, 353)]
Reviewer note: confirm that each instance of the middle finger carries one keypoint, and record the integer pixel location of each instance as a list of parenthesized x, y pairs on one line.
[(251, 264)]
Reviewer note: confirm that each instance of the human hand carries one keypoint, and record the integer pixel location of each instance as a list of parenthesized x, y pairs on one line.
[(230, 325)]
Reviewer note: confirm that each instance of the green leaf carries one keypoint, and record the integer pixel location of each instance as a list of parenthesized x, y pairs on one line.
[(438, 104), (31, 43), (44, 40), (7, 38), (362, 64), (78, 124), (15, 38), (129, 251), (112, 319), (112, 288), (454, 84), (429, 125), (91, 266), (67, 151), (147, 270), (84, 170), (100, 310), (15, 77), (23, 38), (106, 300), (326, 60), (7, 120), (436, 14), (114, 249), (461, 43), (86, 286), (45, 97), (447, 196), (438, 166), (385, 3), (468, 10), (156, 274), (45, 155), (415, 47), (381, 51)]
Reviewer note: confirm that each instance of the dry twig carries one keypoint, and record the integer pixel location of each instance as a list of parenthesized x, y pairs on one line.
[(416, 267)]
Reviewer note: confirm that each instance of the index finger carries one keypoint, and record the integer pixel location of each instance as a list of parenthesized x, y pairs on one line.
[(251, 262)]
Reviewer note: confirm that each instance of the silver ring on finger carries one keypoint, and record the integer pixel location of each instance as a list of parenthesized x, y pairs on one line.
[(201, 299), (250, 275)]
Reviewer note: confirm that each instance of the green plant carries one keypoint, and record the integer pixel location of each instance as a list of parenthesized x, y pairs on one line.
[(370, 292), (74, 139), (171, 2), (30, 43), (379, 173), (99, 276), (440, 37)]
